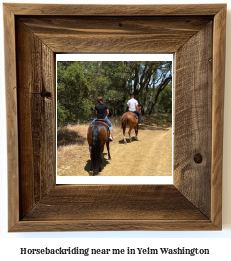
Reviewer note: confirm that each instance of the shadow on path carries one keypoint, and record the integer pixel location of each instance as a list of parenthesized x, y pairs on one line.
[(67, 137), (105, 162)]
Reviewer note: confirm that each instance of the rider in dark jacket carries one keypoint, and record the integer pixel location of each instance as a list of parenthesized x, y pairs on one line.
[(102, 112)]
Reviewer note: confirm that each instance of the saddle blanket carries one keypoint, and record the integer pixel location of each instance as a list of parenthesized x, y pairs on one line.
[(103, 121), (135, 114)]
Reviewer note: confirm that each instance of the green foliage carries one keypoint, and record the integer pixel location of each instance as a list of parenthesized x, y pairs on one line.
[(164, 103), (80, 83)]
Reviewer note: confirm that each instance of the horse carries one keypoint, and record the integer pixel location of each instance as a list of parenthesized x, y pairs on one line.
[(97, 135), (130, 118)]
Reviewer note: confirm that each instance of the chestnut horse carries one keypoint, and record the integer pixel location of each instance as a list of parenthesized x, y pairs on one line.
[(97, 135), (130, 118)]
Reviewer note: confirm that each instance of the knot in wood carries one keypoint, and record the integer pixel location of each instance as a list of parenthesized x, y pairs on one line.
[(45, 94), (198, 158)]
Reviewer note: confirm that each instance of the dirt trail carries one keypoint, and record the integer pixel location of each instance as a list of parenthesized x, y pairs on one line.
[(151, 155)]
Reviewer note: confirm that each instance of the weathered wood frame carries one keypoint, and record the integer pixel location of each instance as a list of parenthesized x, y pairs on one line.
[(33, 34)]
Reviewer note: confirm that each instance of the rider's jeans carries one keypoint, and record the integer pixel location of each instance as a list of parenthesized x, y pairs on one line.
[(108, 121)]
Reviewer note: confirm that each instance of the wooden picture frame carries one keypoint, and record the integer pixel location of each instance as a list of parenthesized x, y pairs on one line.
[(33, 34)]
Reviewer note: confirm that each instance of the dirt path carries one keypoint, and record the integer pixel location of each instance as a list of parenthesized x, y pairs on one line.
[(151, 155)]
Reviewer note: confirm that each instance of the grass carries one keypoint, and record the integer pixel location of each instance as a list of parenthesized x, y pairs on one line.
[(77, 134), (72, 139), (163, 117)]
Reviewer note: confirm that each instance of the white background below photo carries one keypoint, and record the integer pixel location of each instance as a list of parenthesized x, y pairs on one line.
[(218, 241)]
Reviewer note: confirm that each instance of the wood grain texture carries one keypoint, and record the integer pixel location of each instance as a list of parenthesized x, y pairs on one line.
[(193, 126), (115, 10), (113, 202), (113, 207), (189, 204), (12, 121), (218, 114), (36, 106), (115, 34), (114, 225)]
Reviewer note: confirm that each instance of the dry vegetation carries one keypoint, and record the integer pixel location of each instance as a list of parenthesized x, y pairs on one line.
[(72, 146), (72, 141)]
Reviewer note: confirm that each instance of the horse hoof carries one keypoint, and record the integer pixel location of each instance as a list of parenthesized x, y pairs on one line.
[(91, 173)]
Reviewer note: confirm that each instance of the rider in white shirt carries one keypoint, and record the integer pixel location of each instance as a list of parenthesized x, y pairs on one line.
[(132, 106)]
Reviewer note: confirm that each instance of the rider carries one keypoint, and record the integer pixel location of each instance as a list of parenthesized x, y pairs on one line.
[(132, 106), (102, 112)]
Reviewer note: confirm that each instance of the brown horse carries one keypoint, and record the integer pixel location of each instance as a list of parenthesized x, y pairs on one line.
[(130, 119), (97, 135)]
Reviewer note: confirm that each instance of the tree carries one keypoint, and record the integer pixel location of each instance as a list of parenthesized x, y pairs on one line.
[(148, 80), (80, 82), (164, 103), (73, 92)]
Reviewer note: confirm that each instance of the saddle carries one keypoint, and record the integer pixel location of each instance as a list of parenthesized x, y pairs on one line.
[(103, 121), (135, 114)]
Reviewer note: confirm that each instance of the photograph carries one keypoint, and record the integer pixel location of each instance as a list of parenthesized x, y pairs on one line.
[(116, 127), (114, 118)]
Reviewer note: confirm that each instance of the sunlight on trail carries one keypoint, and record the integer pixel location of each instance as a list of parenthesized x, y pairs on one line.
[(151, 155)]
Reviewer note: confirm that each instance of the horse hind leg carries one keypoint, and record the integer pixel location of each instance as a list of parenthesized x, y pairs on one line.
[(129, 133), (91, 166), (125, 141), (101, 159), (136, 132), (108, 150)]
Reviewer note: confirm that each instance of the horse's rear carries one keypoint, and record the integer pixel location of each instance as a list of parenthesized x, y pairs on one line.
[(130, 119), (98, 134)]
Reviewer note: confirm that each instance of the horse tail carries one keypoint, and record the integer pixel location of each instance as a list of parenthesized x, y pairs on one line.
[(95, 150), (124, 122)]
